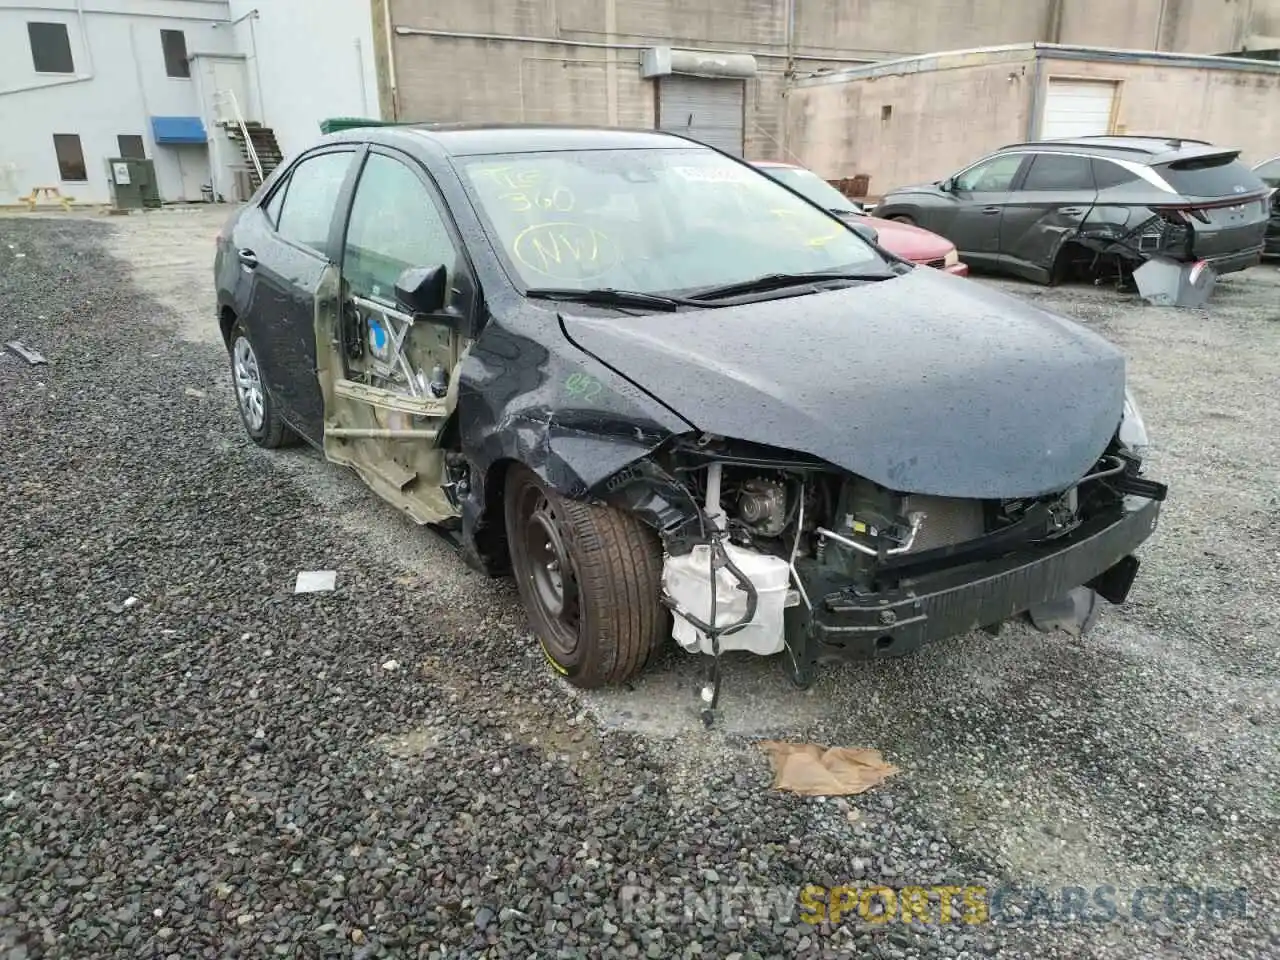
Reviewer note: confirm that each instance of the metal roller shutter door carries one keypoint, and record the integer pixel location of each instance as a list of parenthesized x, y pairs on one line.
[(1078, 108), (707, 110)]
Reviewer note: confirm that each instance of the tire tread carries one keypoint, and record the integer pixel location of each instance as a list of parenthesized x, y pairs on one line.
[(621, 563), (619, 569)]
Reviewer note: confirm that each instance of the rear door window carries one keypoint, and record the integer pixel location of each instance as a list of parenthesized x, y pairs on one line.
[(312, 197), (1215, 176), (1057, 171), (1107, 174)]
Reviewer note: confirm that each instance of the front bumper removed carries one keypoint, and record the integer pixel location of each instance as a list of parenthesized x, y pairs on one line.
[(847, 624)]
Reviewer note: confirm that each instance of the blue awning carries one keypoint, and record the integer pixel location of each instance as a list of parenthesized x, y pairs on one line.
[(178, 130)]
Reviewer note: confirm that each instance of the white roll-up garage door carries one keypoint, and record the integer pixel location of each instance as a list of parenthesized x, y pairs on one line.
[(1078, 108), (709, 110)]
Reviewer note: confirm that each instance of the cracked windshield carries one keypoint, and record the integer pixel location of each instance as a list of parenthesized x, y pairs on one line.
[(656, 221)]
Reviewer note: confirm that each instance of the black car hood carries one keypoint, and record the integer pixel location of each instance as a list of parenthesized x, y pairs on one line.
[(925, 384)]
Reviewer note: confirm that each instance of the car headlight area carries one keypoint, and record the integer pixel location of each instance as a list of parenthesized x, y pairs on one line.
[(1133, 429)]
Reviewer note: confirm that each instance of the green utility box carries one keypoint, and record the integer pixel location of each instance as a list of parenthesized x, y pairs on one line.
[(133, 183), (334, 124)]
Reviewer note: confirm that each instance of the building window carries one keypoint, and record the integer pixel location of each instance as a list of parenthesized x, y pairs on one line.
[(175, 53), (131, 146), (70, 157), (50, 48)]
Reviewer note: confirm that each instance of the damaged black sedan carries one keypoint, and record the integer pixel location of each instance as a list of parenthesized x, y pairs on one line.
[(674, 398)]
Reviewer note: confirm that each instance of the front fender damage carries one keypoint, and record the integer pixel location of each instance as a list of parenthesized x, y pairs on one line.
[(575, 453), (528, 397)]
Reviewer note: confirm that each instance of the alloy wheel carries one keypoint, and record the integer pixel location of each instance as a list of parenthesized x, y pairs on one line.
[(248, 377)]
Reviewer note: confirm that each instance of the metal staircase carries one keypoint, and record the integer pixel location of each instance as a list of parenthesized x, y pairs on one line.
[(259, 150), (256, 143)]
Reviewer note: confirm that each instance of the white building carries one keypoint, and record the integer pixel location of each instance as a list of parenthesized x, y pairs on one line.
[(84, 81)]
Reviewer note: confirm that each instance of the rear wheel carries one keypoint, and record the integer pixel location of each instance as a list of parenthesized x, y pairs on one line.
[(590, 579), (258, 410)]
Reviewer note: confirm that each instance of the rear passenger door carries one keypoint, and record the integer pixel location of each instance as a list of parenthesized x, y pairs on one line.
[(287, 263), (1048, 205)]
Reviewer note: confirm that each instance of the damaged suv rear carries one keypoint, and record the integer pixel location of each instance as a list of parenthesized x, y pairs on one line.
[(736, 423), (1095, 206)]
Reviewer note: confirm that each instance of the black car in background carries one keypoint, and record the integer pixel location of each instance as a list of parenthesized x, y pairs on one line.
[(1269, 173), (677, 399), (1038, 209)]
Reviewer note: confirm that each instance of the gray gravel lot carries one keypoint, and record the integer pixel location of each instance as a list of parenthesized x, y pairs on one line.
[(222, 768)]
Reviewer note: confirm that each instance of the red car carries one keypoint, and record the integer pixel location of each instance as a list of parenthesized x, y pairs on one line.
[(911, 243)]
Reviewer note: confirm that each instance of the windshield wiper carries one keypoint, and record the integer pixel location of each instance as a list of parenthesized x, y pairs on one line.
[(607, 296), (778, 281)]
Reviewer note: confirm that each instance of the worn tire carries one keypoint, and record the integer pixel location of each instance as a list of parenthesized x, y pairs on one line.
[(616, 563), (273, 432)]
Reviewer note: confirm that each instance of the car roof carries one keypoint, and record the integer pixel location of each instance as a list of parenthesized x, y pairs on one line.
[(477, 139), (1139, 149)]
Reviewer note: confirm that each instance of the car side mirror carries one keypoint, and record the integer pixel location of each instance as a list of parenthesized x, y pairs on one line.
[(866, 232), (948, 185), (422, 290)]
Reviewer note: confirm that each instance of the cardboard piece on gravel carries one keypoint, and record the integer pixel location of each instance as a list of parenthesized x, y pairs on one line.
[(816, 771), (315, 581)]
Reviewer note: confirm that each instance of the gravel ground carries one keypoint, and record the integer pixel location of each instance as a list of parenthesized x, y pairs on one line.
[(194, 762)]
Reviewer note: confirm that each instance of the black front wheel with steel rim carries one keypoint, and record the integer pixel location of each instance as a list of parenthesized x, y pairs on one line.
[(589, 577), (262, 421)]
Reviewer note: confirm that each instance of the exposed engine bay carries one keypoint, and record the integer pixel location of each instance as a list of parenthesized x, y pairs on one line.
[(821, 564)]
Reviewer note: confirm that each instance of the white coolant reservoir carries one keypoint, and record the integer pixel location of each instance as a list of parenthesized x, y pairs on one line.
[(687, 581)]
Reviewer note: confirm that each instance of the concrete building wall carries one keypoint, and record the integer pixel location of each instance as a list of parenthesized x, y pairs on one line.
[(578, 60), (925, 118), (884, 29), (1183, 26), (306, 62), (119, 82), (908, 127), (1234, 108)]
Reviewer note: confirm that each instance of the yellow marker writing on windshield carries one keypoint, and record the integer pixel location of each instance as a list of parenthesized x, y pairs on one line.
[(565, 249)]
